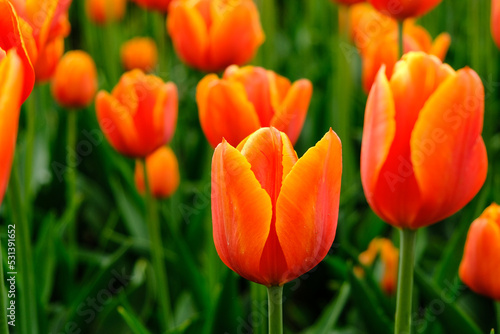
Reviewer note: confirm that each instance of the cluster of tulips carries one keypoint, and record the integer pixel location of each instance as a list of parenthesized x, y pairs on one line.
[(275, 214)]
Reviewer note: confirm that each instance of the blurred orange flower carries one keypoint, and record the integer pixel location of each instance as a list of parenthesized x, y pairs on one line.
[(403, 9), (274, 215), (389, 256), (75, 80), (163, 173), (160, 5), (480, 266), (212, 34), (104, 11), (376, 38), (139, 115), (139, 53), (495, 21), (48, 58), (248, 98), (422, 154)]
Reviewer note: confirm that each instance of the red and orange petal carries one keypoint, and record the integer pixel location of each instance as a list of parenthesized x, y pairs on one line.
[(11, 91), (48, 58), (139, 53), (160, 5), (495, 21), (163, 173), (404, 9)]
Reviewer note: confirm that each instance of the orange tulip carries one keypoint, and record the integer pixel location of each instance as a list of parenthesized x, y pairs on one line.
[(376, 38), (403, 9), (422, 154), (212, 34), (248, 98), (160, 5), (274, 215), (11, 97), (104, 11), (140, 114), (480, 267), (389, 256), (495, 21), (48, 58), (163, 173), (12, 38), (75, 80), (140, 53)]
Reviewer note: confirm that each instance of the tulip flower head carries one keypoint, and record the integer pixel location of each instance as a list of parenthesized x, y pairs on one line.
[(403, 9), (163, 173), (48, 58), (75, 80), (274, 215), (422, 154), (495, 21), (160, 5), (104, 11), (139, 53), (480, 266), (248, 98), (210, 35), (140, 114)]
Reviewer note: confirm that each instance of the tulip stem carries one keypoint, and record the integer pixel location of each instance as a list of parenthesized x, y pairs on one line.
[(275, 309), (3, 298), (405, 281), (497, 307), (30, 143), (71, 164), (157, 252), (400, 38)]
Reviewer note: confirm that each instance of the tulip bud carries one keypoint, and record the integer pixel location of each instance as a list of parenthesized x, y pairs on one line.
[(104, 11), (75, 80), (403, 9), (160, 5), (139, 53)]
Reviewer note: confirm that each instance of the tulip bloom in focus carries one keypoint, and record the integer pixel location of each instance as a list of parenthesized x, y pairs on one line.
[(248, 98), (163, 173), (75, 80), (480, 267), (139, 115), (376, 38), (160, 5), (495, 21), (389, 260), (274, 215), (422, 154), (139, 53), (210, 34), (104, 11), (403, 9)]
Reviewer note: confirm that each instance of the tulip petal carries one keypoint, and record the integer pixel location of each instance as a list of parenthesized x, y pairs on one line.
[(447, 151), (241, 212), (291, 114), (165, 112), (307, 207), (225, 111), (189, 34), (440, 46), (495, 21)]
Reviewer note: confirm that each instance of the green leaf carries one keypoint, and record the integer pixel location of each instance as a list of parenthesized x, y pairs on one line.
[(132, 321)]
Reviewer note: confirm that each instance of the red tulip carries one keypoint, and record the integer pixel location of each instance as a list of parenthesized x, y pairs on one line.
[(422, 154), (495, 21), (160, 5), (248, 98), (480, 267), (210, 35), (274, 215), (139, 115), (403, 9)]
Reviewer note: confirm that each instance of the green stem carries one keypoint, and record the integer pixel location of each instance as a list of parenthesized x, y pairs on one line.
[(3, 314), (497, 307), (157, 252), (71, 163), (258, 294), (30, 143), (400, 38), (275, 309), (26, 274), (405, 281)]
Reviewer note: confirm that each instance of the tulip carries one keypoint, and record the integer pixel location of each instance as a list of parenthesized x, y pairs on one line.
[(139, 115), (480, 266), (248, 98), (389, 259), (139, 53), (11, 90), (210, 35), (104, 11), (403, 9), (274, 215), (160, 5), (495, 21), (48, 58), (75, 80), (163, 173), (425, 120)]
